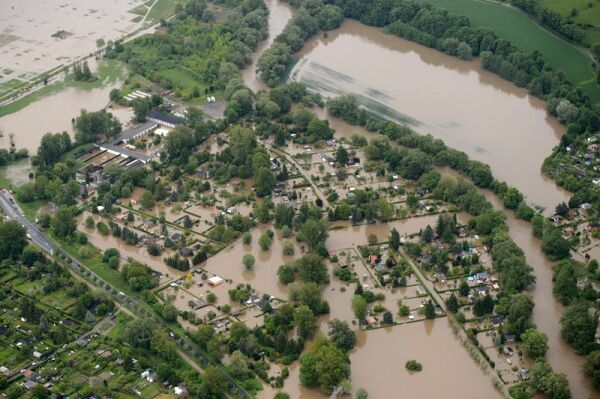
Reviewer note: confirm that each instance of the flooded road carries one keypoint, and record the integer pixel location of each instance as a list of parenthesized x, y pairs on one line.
[(471, 109)]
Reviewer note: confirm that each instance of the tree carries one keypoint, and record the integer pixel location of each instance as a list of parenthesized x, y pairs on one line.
[(248, 261), (312, 269), (238, 365), (578, 327), (265, 242), (361, 393), (552, 385), (359, 306), (429, 310), (388, 318), (323, 365), (314, 232), (286, 274), (89, 126), (452, 303), (394, 239), (180, 144), (565, 282), (341, 335), (555, 246), (147, 200), (591, 368), (483, 305), (169, 312), (341, 156), (264, 182), (63, 222), (535, 343), (304, 321), (463, 289), (12, 239), (213, 384)]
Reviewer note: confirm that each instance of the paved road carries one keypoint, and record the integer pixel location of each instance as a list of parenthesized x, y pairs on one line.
[(13, 212)]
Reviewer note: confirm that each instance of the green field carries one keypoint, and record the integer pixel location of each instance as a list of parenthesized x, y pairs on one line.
[(587, 15), (511, 24)]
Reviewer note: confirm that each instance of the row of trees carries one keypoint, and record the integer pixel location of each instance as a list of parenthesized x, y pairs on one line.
[(310, 18)]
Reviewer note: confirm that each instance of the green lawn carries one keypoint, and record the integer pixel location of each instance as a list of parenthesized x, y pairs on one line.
[(163, 9), (512, 24), (587, 15), (109, 71)]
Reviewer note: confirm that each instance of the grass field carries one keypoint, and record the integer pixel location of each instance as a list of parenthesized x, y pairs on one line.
[(109, 71), (514, 25), (587, 15), (163, 9)]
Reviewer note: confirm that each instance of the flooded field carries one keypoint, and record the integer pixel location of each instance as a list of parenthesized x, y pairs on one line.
[(493, 121), (27, 45), (54, 114)]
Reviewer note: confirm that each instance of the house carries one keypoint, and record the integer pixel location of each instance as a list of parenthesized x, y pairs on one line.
[(196, 304), (164, 119), (186, 251), (496, 321), (215, 280), (148, 375), (129, 135), (82, 342), (523, 374), (176, 237), (29, 384), (482, 277), (421, 290), (106, 354), (596, 181), (4, 370), (371, 321), (180, 390), (232, 210), (508, 338), (373, 259), (29, 375), (482, 290)]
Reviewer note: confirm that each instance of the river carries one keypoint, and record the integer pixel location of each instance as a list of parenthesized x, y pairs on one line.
[(472, 110)]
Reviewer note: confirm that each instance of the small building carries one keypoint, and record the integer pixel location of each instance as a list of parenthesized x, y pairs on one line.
[(421, 290), (131, 134), (215, 280), (148, 375), (196, 304), (164, 119)]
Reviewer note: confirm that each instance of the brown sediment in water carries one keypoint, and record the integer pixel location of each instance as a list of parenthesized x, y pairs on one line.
[(469, 108)]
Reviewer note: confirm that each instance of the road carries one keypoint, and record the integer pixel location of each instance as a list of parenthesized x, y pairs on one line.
[(13, 212)]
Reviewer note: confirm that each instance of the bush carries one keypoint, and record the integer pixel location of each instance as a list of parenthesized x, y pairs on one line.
[(413, 365)]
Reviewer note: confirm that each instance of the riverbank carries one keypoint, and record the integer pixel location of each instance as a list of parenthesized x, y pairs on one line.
[(514, 25)]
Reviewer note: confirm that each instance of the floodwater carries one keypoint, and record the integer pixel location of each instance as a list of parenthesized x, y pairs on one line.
[(54, 114), (26, 29), (377, 364), (279, 15), (471, 109), (547, 311)]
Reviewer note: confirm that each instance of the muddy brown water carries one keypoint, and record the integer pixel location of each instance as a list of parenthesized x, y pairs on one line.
[(493, 121), (54, 114), (471, 109), (279, 14)]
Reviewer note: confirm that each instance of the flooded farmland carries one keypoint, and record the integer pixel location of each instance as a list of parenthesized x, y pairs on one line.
[(38, 35), (471, 109), (53, 114)]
